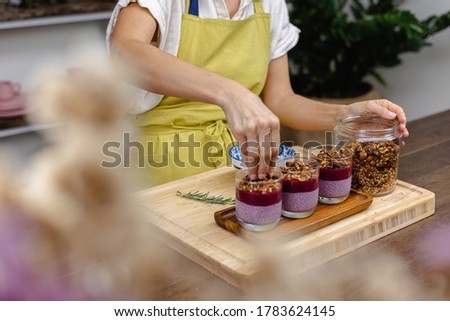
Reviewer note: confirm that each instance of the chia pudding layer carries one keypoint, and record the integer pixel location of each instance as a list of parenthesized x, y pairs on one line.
[(300, 202), (258, 215), (300, 196), (335, 182), (258, 203), (333, 189)]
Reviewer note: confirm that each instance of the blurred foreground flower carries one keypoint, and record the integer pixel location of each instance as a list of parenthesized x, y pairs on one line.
[(69, 229)]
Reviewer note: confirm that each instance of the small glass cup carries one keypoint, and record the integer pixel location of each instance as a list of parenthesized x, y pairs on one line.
[(335, 176), (300, 187), (258, 202)]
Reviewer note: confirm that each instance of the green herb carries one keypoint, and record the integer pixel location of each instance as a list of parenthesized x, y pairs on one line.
[(205, 197)]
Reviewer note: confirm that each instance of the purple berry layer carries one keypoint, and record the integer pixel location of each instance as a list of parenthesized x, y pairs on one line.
[(334, 188), (259, 198), (296, 186), (300, 202), (335, 174), (258, 215)]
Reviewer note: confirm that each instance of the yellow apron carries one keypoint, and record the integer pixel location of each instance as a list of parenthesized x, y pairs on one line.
[(182, 137)]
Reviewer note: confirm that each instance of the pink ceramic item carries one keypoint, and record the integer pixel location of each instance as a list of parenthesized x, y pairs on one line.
[(14, 103), (8, 90), (12, 113)]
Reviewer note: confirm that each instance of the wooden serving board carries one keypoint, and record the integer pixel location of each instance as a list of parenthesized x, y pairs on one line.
[(189, 227), (289, 229)]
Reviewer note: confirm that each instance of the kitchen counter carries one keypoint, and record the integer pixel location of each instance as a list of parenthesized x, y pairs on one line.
[(425, 162)]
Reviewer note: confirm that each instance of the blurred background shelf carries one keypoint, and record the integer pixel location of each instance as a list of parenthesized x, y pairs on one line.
[(23, 130), (55, 20)]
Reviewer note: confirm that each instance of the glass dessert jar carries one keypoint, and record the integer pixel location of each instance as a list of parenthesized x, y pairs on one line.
[(335, 176), (258, 202), (300, 188), (375, 143)]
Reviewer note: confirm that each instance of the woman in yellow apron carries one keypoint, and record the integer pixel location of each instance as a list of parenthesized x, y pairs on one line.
[(221, 88)]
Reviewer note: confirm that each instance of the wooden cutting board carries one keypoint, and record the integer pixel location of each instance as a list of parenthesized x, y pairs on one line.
[(189, 227)]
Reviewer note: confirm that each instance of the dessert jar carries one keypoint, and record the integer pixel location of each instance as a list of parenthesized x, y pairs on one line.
[(375, 143), (335, 176), (300, 188), (258, 202)]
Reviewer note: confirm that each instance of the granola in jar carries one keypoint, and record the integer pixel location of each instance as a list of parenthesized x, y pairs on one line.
[(375, 143)]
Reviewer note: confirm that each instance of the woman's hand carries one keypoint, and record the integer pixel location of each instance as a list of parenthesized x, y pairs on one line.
[(384, 108), (256, 129)]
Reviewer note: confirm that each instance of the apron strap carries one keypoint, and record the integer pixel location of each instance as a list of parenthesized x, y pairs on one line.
[(258, 6), (193, 7)]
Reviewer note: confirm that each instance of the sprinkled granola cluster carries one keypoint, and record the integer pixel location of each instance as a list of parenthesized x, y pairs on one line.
[(375, 166), (268, 184), (332, 158), (298, 170)]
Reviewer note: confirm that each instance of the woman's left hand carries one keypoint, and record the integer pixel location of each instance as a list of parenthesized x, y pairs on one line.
[(384, 108)]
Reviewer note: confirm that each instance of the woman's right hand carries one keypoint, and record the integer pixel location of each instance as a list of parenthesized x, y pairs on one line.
[(256, 129)]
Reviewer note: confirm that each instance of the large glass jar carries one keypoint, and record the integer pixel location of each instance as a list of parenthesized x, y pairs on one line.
[(375, 143)]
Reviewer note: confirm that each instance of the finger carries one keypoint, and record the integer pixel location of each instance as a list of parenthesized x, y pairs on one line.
[(394, 108), (264, 152), (274, 146), (239, 135), (401, 116), (404, 131), (399, 112), (376, 107), (250, 154)]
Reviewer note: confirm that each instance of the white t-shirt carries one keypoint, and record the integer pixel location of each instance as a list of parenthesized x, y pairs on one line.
[(168, 14)]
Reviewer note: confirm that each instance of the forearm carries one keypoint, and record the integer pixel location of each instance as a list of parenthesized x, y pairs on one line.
[(294, 110), (306, 114), (159, 72)]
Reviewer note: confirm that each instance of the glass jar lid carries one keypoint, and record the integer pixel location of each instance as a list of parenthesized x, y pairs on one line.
[(368, 127)]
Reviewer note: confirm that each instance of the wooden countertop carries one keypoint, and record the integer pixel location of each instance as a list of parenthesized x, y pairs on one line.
[(391, 268)]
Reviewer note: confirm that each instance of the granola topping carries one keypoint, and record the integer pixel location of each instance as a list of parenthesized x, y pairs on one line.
[(298, 170), (268, 184), (332, 159)]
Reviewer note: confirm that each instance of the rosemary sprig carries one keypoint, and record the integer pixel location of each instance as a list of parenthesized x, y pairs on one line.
[(205, 197)]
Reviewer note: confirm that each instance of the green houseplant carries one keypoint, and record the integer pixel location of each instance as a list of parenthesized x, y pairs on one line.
[(342, 42)]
